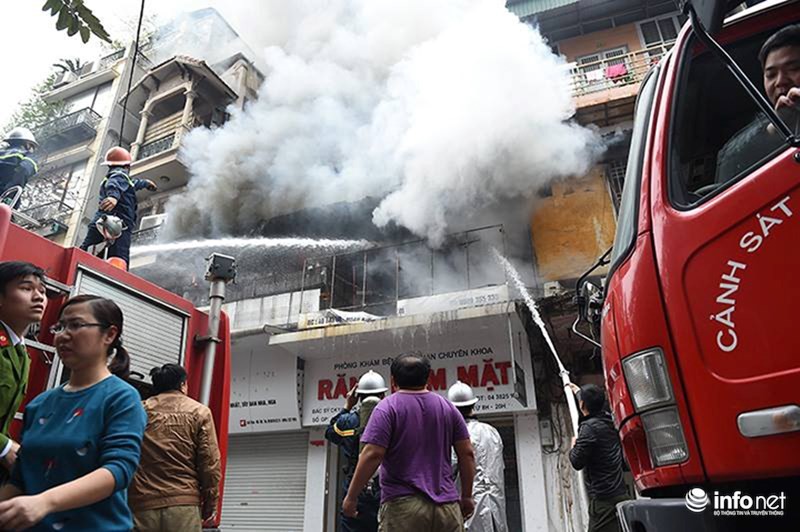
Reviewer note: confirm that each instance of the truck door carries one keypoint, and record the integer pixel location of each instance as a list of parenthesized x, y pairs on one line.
[(726, 222)]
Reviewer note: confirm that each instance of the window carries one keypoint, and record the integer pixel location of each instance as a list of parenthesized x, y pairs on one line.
[(615, 173), (661, 30), (627, 221), (102, 100), (98, 99), (718, 136)]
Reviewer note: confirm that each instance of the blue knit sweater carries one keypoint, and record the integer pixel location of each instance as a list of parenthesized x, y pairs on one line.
[(70, 434)]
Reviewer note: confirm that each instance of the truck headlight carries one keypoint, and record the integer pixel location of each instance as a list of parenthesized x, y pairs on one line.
[(648, 380)]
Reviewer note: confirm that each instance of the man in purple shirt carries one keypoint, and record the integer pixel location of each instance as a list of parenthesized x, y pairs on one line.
[(410, 435)]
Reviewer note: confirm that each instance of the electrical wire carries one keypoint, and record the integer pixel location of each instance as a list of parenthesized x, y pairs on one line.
[(130, 77)]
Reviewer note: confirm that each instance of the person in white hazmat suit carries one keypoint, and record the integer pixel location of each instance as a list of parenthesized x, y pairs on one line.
[(489, 488)]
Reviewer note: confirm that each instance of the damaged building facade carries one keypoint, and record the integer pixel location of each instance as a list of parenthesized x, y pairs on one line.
[(313, 323)]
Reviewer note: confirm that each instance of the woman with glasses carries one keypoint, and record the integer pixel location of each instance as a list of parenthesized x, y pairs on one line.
[(81, 441)]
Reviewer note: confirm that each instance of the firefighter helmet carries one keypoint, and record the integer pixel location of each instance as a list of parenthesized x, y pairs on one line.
[(461, 394), (21, 134), (110, 226), (371, 382), (117, 156)]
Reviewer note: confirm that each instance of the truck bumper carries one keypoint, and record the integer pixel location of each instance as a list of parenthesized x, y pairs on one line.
[(664, 515), (672, 515)]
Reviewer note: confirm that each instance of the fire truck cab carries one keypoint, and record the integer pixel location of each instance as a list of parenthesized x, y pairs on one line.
[(159, 326), (696, 317)]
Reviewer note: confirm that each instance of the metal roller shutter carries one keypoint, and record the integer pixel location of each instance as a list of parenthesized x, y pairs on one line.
[(265, 482), (152, 333)]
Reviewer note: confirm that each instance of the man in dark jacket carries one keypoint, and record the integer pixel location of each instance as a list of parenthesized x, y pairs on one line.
[(118, 197), (598, 452), (345, 431)]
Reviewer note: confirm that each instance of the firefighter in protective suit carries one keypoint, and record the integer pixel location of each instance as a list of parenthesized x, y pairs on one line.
[(117, 198), (345, 430), (489, 487), (16, 165)]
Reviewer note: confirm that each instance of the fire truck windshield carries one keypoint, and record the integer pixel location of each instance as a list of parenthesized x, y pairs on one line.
[(627, 220), (719, 135)]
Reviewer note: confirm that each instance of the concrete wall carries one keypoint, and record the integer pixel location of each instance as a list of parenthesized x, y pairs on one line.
[(598, 41), (573, 227)]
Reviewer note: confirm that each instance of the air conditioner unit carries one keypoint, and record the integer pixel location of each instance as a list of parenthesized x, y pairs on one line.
[(553, 288), (152, 221)]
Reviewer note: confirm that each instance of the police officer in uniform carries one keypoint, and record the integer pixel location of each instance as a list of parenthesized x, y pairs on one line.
[(489, 485), (22, 302), (345, 430), (16, 165), (118, 198)]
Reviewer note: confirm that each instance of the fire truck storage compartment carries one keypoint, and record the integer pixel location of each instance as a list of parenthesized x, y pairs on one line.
[(265, 483), (153, 333)]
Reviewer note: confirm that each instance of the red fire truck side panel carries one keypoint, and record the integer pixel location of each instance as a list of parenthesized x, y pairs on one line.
[(727, 270)]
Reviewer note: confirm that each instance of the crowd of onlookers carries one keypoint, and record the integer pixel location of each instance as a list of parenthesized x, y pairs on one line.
[(93, 456)]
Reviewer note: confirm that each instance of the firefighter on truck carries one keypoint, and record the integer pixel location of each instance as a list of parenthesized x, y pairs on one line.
[(118, 205)]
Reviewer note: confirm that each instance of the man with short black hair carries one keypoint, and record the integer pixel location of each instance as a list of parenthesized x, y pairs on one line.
[(780, 62), (23, 300), (410, 436), (177, 484), (597, 451)]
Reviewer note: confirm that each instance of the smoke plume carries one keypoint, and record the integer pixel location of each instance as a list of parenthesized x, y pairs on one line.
[(446, 110)]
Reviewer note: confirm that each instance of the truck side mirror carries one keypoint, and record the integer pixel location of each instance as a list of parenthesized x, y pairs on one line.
[(589, 300)]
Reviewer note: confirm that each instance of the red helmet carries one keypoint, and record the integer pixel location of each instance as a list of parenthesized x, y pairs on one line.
[(117, 157)]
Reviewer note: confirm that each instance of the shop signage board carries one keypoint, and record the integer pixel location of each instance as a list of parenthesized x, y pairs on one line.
[(476, 297), (264, 389), (489, 354)]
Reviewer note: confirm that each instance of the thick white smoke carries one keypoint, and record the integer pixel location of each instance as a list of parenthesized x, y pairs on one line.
[(440, 108)]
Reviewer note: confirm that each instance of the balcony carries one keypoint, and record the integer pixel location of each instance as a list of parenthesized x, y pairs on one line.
[(605, 90), (68, 130)]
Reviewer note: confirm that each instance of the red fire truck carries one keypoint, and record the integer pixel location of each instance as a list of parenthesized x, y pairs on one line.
[(696, 318), (160, 327)]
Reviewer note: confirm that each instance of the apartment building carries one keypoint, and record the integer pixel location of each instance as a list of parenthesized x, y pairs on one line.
[(63, 195), (609, 47)]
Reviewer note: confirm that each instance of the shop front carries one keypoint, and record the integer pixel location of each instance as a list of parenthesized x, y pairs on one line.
[(286, 387)]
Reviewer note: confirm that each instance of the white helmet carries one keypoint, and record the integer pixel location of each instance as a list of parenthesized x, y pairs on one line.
[(371, 382), (461, 394), (21, 134), (110, 226)]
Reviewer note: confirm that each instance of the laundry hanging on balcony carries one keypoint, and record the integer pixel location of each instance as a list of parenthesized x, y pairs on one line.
[(616, 72)]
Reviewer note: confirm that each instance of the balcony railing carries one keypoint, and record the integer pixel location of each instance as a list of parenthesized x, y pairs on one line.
[(47, 202), (143, 61), (110, 59), (155, 147), (68, 130), (620, 71), (144, 237)]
